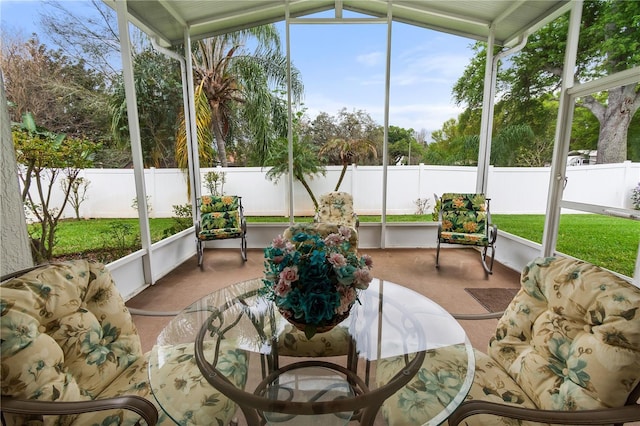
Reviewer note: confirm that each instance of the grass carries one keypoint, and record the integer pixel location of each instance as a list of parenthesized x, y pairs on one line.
[(604, 241)]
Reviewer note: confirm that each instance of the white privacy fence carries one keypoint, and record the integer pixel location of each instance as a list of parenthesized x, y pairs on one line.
[(111, 192)]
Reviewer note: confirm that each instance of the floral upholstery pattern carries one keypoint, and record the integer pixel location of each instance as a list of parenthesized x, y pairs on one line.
[(569, 340), (435, 385), (337, 207), (293, 342), (463, 219), (221, 217), (66, 335), (186, 394)]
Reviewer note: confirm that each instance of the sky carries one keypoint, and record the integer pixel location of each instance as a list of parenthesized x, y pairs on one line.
[(343, 65)]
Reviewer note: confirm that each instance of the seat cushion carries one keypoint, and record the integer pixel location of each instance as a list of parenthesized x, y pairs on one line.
[(467, 222), (293, 342), (571, 336), (220, 225), (436, 384), (185, 393)]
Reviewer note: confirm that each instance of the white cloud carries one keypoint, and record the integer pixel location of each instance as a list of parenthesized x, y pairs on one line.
[(370, 59)]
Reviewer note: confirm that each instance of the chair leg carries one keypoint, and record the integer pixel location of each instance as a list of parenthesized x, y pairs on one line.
[(438, 254), (243, 248), (488, 268), (200, 254)]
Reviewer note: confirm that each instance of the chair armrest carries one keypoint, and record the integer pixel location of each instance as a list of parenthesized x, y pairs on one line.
[(628, 413), (137, 404), (490, 315), (493, 233), (146, 313)]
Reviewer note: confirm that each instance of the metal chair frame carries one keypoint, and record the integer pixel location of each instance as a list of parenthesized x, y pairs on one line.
[(242, 236)]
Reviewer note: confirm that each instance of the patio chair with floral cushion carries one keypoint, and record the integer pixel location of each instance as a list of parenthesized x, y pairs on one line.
[(337, 207), (221, 217), (466, 219), (71, 354), (566, 351)]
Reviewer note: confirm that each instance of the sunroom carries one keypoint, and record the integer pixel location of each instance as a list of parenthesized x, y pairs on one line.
[(170, 264)]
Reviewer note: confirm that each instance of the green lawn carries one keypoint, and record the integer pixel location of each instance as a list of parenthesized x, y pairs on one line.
[(605, 241)]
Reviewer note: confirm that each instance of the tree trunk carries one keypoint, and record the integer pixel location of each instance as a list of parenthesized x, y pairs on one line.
[(219, 137), (309, 191), (614, 120), (342, 173)]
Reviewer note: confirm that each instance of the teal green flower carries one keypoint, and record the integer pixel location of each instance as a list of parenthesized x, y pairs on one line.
[(234, 365), (97, 344), (441, 384), (17, 335), (565, 364)]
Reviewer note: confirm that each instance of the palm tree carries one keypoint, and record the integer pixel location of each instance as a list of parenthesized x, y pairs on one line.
[(241, 86), (306, 162), (349, 151)]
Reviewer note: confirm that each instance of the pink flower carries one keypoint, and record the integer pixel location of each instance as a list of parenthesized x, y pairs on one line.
[(347, 297), (277, 259), (345, 231), (361, 278), (333, 239), (367, 260), (289, 274), (337, 259), (282, 288), (279, 242)]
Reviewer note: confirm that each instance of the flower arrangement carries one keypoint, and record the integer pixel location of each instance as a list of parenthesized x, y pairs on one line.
[(313, 280)]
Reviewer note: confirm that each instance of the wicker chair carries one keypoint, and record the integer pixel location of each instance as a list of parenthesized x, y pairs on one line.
[(71, 353), (566, 351)]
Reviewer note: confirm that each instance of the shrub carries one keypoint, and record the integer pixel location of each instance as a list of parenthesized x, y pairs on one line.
[(635, 197)]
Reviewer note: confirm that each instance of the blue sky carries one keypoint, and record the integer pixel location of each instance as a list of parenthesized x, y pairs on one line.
[(343, 66)]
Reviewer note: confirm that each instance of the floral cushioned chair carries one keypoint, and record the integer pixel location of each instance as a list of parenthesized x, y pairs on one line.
[(337, 207), (221, 217), (466, 219), (566, 351), (69, 346)]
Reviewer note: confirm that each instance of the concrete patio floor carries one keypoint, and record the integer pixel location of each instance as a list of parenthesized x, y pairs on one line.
[(460, 268)]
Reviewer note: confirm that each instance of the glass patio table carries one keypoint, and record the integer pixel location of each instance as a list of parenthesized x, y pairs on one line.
[(341, 375)]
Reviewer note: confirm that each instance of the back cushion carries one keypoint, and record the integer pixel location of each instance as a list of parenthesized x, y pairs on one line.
[(65, 332), (336, 207), (219, 203), (571, 336), (463, 202)]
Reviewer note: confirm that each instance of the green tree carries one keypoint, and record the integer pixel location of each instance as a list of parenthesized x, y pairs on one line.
[(159, 97), (609, 42), (306, 161), (349, 151), (47, 158), (242, 86), (403, 145), (63, 95)]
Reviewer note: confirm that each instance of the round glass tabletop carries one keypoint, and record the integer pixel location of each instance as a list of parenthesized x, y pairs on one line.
[(234, 343)]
